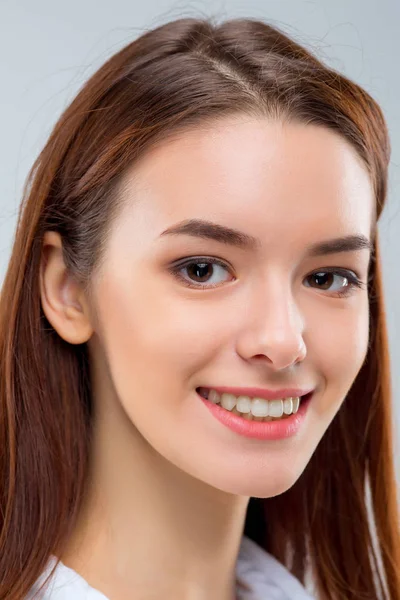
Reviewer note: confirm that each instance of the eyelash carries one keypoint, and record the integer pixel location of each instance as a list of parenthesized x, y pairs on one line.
[(353, 281)]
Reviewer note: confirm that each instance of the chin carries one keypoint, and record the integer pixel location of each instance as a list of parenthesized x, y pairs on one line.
[(258, 484)]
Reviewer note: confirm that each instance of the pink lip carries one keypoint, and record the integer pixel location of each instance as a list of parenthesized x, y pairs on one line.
[(263, 393), (268, 430)]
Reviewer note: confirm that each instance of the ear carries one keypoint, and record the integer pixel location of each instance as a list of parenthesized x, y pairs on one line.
[(63, 300)]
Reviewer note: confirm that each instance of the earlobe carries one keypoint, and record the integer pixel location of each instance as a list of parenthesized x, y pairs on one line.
[(62, 298)]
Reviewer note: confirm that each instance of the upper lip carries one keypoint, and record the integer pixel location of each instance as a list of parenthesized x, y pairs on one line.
[(267, 394)]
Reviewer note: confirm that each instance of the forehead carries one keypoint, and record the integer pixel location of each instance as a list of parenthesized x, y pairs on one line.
[(264, 177)]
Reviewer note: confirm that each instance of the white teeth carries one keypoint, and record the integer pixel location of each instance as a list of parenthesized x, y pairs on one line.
[(288, 406), (243, 404), (275, 408), (253, 407), (228, 401), (214, 397), (259, 407)]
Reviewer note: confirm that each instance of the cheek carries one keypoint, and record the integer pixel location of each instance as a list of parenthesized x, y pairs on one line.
[(154, 343), (339, 348)]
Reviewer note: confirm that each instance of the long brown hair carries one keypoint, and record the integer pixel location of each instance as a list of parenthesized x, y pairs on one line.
[(339, 521)]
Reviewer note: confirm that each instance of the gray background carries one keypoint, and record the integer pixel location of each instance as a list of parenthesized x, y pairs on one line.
[(48, 48)]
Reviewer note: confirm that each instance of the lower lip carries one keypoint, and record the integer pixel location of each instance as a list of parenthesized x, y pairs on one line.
[(260, 430)]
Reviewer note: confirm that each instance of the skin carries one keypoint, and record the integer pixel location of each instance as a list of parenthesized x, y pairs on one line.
[(170, 485)]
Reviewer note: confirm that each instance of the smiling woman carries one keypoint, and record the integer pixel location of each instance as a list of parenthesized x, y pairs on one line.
[(193, 354)]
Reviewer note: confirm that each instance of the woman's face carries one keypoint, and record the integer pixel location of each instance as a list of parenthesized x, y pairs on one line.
[(262, 317)]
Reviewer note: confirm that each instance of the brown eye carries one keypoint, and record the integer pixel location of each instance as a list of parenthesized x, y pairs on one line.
[(200, 271), (324, 280), (346, 280)]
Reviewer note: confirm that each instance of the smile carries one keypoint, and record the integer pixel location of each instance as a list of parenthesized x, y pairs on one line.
[(230, 411), (253, 409)]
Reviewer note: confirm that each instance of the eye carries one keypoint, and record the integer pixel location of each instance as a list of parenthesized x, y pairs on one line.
[(201, 270), (346, 280)]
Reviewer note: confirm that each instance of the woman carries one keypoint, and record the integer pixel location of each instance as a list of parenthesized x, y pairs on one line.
[(194, 364)]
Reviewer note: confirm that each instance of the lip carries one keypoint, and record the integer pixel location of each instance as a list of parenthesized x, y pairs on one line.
[(267, 430), (262, 392)]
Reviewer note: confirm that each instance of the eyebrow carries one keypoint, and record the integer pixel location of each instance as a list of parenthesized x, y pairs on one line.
[(233, 237)]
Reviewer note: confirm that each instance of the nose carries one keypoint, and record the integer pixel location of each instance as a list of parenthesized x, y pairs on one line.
[(272, 329)]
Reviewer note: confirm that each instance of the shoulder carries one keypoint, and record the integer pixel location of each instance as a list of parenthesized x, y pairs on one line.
[(266, 577), (65, 584)]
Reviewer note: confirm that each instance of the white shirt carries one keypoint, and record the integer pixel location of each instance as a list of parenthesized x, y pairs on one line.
[(267, 578)]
